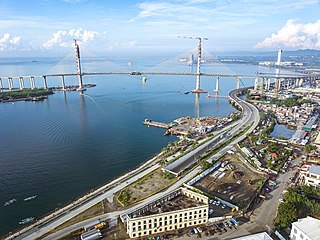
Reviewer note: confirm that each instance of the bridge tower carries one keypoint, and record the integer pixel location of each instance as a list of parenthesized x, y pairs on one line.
[(78, 65), (217, 90)]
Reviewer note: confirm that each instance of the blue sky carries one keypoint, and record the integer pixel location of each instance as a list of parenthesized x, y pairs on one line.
[(36, 27)]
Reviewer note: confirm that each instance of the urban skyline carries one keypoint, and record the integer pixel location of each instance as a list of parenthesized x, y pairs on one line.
[(41, 27)]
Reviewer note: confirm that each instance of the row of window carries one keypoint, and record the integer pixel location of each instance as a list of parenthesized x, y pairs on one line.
[(175, 216), (168, 228), (159, 224)]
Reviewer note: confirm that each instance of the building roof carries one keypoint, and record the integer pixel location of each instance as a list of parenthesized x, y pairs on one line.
[(257, 236), (310, 226), (317, 141), (314, 169)]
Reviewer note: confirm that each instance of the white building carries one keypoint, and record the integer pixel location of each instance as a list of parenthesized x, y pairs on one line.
[(305, 229), (179, 209), (257, 236), (311, 175)]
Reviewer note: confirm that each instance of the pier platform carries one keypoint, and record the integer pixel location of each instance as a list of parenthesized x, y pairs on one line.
[(149, 122)]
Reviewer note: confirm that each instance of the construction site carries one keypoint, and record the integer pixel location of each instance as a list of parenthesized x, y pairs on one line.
[(233, 182)]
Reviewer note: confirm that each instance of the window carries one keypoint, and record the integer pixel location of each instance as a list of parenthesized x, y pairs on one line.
[(150, 220), (200, 211), (295, 230), (165, 218), (301, 236), (144, 222), (194, 222), (180, 220), (139, 223), (133, 235), (170, 217), (150, 225), (176, 220), (180, 215), (155, 225), (145, 233), (195, 212), (133, 224), (133, 229), (170, 222)]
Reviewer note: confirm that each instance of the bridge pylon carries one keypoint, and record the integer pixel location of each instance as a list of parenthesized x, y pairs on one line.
[(217, 90), (80, 83)]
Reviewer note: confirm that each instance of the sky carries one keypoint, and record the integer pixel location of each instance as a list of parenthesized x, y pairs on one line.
[(47, 27)]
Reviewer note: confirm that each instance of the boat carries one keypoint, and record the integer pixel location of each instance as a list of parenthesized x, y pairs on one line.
[(186, 92), (7, 203), (26, 220), (30, 198)]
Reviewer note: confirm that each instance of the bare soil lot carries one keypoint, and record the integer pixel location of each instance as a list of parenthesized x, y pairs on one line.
[(239, 185)]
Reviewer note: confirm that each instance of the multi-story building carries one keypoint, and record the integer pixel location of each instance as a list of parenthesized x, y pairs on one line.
[(179, 209), (311, 175), (305, 229)]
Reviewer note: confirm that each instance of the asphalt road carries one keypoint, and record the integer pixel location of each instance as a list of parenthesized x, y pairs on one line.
[(249, 115)]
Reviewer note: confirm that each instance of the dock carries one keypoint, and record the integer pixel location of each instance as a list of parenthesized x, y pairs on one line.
[(149, 122)]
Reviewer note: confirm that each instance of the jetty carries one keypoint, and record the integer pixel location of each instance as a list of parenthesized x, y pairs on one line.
[(149, 122)]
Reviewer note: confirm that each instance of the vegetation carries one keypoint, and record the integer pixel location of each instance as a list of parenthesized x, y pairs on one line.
[(25, 93), (289, 102), (308, 148), (299, 202)]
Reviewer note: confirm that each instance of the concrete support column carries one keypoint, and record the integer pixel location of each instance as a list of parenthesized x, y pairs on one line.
[(63, 83), (1, 85), (301, 82), (256, 84), (10, 83), (297, 82), (237, 82), (45, 82), (261, 85), (32, 82), (276, 87), (217, 90), (21, 83), (268, 84)]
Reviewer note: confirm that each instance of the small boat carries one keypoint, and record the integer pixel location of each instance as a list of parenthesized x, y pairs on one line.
[(30, 198), (26, 220), (186, 92), (7, 203)]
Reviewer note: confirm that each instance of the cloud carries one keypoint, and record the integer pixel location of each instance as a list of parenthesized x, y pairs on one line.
[(9, 43), (64, 39), (294, 35)]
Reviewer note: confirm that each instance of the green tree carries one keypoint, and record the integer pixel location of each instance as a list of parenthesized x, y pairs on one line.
[(287, 213), (308, 148)]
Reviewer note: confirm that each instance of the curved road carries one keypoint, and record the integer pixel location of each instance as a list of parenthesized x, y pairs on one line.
[(250, 115)]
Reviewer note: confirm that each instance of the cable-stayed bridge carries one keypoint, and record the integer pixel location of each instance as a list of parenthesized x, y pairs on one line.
[(196, 63)]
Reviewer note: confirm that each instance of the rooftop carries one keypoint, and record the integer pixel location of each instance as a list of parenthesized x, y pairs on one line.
[(178, 203), (310, 226), (314, 169), (257, 236)]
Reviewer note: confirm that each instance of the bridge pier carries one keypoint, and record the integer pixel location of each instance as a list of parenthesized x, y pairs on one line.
[(21, 83), (32, 82), (301, 82), (45, 86), (261, 85), (1, 85), (217, 90), (256, 83), (63, 83), (10, 83), (268, 83), (238, 83)]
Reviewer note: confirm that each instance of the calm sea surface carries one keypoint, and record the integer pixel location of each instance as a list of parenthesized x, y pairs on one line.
[(65, 146)]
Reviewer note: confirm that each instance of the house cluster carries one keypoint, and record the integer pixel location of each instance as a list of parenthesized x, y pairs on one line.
[(291, 116)]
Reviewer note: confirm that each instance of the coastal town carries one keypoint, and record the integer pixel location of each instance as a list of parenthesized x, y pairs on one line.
[(223, 177), (113, 161)]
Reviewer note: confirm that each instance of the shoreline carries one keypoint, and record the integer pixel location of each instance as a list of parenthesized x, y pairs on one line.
[(89, 195)]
